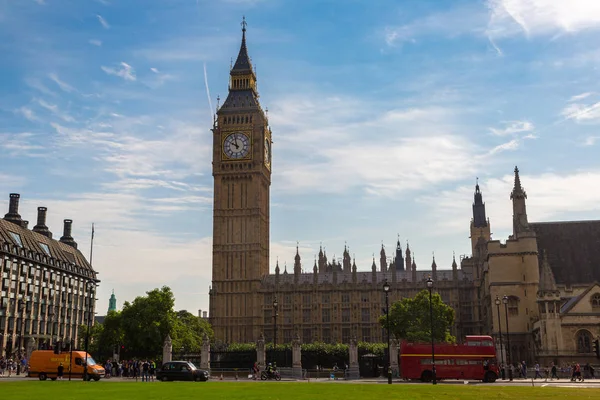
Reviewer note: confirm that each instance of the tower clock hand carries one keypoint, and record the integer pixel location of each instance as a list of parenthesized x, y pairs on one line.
[(235, 143)]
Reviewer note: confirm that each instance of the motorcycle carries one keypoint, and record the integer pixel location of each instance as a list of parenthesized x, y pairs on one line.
[(264, 375)]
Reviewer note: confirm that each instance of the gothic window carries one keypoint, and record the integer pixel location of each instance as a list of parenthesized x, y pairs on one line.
[(513, 306), (326, 315), (306, 316), (584, 340), (596, 301), (365, 315), (345, 298), (345, 315), (325, 299)]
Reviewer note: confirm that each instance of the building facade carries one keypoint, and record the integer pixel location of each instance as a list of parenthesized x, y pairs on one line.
[(332, 303), (547, 271), (48, 286)]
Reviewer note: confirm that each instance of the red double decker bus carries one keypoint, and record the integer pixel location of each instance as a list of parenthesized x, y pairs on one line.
[(475, 359)]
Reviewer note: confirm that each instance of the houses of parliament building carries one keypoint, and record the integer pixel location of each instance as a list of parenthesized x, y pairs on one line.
[(547, 271)]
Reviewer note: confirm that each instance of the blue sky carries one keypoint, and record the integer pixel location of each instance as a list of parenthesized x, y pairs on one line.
[(383, 114)]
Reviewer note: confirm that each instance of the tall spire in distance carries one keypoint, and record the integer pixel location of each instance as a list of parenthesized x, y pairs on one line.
[(479, 219), (518, 196)]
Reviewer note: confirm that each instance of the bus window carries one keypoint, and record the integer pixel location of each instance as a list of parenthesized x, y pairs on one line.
[(474, 343), (487, 343)]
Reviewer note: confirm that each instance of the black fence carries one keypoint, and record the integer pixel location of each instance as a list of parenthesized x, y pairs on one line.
[(319, 360), (233, 359), (283, 358)]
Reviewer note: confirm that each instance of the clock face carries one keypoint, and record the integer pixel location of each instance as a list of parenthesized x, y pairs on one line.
[(267, 151), (236, 146)]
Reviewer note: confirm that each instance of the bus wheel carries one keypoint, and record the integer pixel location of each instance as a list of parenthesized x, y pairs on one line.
[(427, 376), (490, 377), (43, 376)]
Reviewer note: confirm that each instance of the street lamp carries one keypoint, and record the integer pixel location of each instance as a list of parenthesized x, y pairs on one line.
[(386, 290), (510, 374), (20, 307), (430, 287), (502, 372), (275, 304), (89, 286)]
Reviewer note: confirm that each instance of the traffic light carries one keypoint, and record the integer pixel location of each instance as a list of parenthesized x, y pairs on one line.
[(597, 348)]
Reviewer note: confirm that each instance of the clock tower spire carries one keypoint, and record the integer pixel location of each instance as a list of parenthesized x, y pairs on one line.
[(241, 208)]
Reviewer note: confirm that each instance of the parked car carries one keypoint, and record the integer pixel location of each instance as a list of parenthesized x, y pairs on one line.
[(181, 371)]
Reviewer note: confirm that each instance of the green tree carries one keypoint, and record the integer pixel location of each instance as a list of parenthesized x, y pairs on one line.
[(410, 319), (146, 322), (188, 332)]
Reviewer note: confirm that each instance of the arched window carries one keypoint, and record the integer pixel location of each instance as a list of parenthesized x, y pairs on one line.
[(584, 342), (595, 300)]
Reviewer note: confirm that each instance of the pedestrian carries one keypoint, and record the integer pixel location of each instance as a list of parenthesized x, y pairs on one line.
[(547, 372), (60, 372), (255, 371), (553, 370), (537, 370)]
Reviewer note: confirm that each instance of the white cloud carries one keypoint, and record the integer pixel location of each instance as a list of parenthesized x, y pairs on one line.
[(103, 22), (27, 113), (582, 113), (456, 22), (550, 195), (155, 70), (126, 71), (580, 96), (513, 127), (40, 2), (95, 42), (54, 109), (65, 87), (511, 145), (591, 140), (542, 17)]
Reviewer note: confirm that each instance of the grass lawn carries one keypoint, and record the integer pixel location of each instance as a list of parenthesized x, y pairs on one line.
[(278, 390)]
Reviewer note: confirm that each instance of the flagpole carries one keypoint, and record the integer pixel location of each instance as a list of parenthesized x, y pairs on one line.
[(92, 245)]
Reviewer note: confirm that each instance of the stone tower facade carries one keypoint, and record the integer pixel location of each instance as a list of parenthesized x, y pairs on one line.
[(242, 180)]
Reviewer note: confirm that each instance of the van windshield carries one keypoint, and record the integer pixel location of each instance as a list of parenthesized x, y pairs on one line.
[(90, 361)]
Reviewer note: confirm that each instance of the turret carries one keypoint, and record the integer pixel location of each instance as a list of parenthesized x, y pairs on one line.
[(434, 270), (414, 269), (454, 268), (347, 262), (382, 259), (354, 274), (408, 258), (399, 261), (374, 271), (297, 265), (520, 224)]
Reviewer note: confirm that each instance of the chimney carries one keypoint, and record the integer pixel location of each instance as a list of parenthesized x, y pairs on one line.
[(25, 224), (41, 227), (199, 313), (13, 209), (67, 238), (204, 314)]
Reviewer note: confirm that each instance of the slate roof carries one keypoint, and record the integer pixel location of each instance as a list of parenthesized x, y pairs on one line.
[(572, 249), (62, 256), (238, 99)]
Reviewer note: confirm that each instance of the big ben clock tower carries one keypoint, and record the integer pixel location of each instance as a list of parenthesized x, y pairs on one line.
[(242, 180)]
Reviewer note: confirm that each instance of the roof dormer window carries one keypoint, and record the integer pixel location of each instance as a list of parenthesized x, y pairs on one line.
[(45, 247), (17, 238)]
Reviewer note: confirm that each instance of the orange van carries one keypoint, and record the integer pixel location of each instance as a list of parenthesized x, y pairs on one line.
[(43, 364)]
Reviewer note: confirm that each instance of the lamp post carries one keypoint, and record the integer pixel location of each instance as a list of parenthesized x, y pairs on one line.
[(20, 308), (510, 374), (430, 287), (497, 302), (89, 286), (386, 290), (275, 304)]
